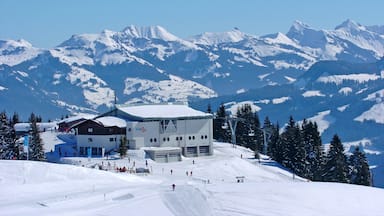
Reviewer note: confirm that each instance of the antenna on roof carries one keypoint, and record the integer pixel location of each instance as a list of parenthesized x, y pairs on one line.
[(115, 99)]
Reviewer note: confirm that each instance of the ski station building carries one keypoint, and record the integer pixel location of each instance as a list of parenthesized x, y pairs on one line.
[(163, 131)]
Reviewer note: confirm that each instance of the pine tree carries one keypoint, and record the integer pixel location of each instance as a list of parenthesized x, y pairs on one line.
[(248, 132), (9, 149), (314, 152), (36, 148), (336, 167), (123, 147), (15, 118), (219, 133), (359, 172), (209, 108), (274, 145)]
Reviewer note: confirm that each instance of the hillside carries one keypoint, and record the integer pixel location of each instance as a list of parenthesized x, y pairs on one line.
[(37, 188), (149, 64)]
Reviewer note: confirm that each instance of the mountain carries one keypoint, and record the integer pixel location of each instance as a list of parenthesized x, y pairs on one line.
[(332, 76), (343, 98), (150, 64)]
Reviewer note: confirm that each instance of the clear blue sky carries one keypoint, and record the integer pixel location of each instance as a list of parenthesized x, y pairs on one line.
[(47, 23)]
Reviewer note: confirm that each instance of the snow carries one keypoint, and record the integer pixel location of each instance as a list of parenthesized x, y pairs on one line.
[(39, 188), (14, 52), (160, 111), (280, 100), (151, 32), (345, 90), (323, 120), (95, 90), (161, 91), (375, 113), (343, 108), (2, 88), (240, 91), (109, 121), (212, 38), (290, 79), (77, 117), (364, 143), (234, 106), (42, 126), (313, 93), (376, 96)]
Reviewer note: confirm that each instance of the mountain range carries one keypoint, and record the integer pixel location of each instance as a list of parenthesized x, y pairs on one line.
[(334, 77)]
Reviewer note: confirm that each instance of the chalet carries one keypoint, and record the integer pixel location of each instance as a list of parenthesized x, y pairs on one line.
[(166, 131), (99, 135), (25, 128), (67, 123)]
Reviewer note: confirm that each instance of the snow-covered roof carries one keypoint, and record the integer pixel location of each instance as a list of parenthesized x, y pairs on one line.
[(162, 111), (25, 127), (109, 121), (77, 117)]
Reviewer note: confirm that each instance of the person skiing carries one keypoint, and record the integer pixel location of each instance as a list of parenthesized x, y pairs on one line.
[(173, 187)]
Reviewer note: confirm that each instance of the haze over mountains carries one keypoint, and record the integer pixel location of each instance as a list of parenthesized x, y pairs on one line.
[(334, 77)]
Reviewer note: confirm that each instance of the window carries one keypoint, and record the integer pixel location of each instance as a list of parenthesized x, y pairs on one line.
[(129, 129), (177, 138), (90, 139), (206, 137), (155, 140), (168, 139), (151, 140), (111, 139), (90, 130), (193, 137)]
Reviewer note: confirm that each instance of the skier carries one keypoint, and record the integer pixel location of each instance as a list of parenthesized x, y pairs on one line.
[(173, 187)]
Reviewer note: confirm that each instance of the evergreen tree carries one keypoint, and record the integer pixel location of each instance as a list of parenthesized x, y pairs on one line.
[(15, 118), (274, 145), (9, 149), (314, 152), (123, 147), (219, 132), (209, 109), (336, 167), (248, 131), (293, 151), (359, 172), (36, 149)]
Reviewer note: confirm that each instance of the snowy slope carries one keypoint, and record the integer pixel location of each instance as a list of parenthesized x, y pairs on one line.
[(138, 64), (37, 188)]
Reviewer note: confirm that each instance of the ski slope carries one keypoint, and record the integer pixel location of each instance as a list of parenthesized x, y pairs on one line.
[(39, 188)]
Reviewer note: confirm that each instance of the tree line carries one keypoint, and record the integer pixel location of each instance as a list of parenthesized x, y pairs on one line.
[(297, 147), (11, 146)]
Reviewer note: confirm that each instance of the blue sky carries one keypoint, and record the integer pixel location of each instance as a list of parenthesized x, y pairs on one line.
[(47, 23)]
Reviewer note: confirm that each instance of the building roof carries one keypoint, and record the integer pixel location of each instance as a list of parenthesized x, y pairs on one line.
[(110, 121), (77, 117), (162, 111)]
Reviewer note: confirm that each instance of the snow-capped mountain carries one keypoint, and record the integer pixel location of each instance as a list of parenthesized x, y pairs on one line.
[(150, 64), (341, 97), (332, 76)]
